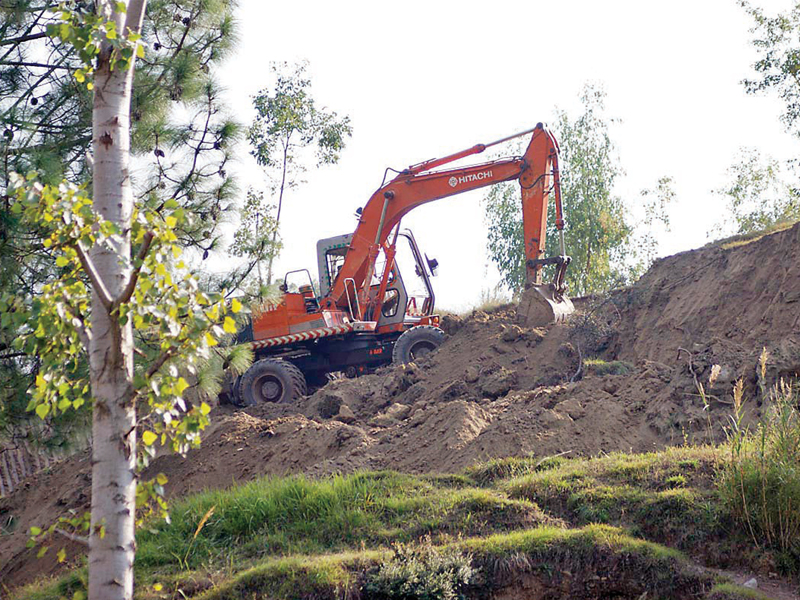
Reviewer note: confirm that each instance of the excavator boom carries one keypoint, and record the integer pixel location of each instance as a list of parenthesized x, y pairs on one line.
[(537, 172)]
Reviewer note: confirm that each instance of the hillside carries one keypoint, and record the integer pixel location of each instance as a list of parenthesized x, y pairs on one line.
[(622, 376)]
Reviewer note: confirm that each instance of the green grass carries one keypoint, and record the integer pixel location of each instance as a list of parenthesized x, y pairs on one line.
[(729, 591), (743, 239), (626, 515), (281, 516), (668, 497), (601, 367)]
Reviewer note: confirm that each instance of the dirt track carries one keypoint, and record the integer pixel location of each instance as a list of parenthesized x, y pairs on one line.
[(494, 389)]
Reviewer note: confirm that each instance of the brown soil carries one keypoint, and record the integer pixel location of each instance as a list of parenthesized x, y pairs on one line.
[(495, 389)]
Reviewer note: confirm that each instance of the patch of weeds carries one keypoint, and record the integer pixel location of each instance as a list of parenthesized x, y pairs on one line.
[(743, 239), (601, 367), (676, 481), (689, 464), (449, 481), (729, 591), (497, 469), (293, 577), (759, 481), (645, 493), (67, 586), (422, 571)]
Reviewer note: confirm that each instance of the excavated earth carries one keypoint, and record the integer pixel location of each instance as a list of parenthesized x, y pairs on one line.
[(623, 374)]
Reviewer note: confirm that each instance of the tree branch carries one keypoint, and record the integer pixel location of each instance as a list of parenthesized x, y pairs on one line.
[(160, 362), (131, 287), (13, 63), (81, 539), (24, 38), (84, 333), (94, 276)]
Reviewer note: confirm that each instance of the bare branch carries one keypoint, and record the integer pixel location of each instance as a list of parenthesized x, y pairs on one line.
[(160, 362), (13, 63), (24, 38), (81, 539), (84, 333), (94, 276), (131, 287)]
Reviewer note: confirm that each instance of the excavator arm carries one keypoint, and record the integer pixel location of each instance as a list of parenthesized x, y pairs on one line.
[(538, 176)]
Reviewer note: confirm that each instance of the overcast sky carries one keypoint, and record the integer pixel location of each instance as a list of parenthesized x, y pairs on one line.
[(423, 79)]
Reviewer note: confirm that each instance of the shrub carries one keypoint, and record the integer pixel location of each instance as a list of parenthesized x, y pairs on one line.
[(421, 571), (760, 479)]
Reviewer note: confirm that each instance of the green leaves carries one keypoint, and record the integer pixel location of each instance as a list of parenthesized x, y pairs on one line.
[(287, 112), (88, 33), (175, 323), (598, 230), (778, 65)]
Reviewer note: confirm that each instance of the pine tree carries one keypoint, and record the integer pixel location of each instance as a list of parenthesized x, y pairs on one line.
[(181, 140)]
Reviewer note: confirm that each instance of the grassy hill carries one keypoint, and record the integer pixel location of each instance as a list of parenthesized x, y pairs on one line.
[(623, 526)]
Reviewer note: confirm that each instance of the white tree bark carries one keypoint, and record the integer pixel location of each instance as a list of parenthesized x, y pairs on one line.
[(111, 348)]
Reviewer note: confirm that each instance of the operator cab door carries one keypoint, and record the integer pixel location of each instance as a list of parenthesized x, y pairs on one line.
[(395, 301), (408, 304)]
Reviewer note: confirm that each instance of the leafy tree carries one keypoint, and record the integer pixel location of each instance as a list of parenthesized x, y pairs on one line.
[(118, 269), (758, 194), (46, 124), (256, 237), (599, 229), (779, 64), (654, 203), (287, 126), (762, 191)]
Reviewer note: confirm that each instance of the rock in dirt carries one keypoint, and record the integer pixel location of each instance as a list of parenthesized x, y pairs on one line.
[(329, 405), (346, 414), (499, 383)]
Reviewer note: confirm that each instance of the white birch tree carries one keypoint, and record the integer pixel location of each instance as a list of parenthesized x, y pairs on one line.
[(105, 291), (111, 347)]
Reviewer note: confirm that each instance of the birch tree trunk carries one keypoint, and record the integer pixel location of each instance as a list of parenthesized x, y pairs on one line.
[(111, 347)]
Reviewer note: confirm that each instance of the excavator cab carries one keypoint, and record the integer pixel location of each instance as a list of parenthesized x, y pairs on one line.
[(409, 295)]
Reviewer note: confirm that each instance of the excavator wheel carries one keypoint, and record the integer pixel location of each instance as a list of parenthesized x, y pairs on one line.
[(271, 380), (540, 306), (416, 343)]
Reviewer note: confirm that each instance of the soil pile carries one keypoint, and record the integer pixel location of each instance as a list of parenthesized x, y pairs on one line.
[(621, 375)]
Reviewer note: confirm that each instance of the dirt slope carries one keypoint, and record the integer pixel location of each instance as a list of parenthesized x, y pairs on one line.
[(495, 389)]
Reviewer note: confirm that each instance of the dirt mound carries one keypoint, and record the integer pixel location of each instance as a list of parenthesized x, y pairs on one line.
[(744, 296), (622, 375)]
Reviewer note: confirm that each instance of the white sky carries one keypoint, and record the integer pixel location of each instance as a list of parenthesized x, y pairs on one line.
[(424, 79)]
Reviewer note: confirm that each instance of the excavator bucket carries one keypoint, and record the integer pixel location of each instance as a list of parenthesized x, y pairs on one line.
[(541, 305)]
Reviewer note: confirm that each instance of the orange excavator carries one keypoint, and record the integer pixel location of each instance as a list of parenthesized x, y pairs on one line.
[(363, 316)]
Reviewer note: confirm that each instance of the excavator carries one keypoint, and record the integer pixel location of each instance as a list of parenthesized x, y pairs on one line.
[(363, 316)]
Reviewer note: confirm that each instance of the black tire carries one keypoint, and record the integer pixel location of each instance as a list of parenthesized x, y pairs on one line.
[(416, 343), (271, 380)]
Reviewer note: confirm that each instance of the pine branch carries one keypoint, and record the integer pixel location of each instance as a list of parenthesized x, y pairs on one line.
[(24, 38), (12, 63)]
